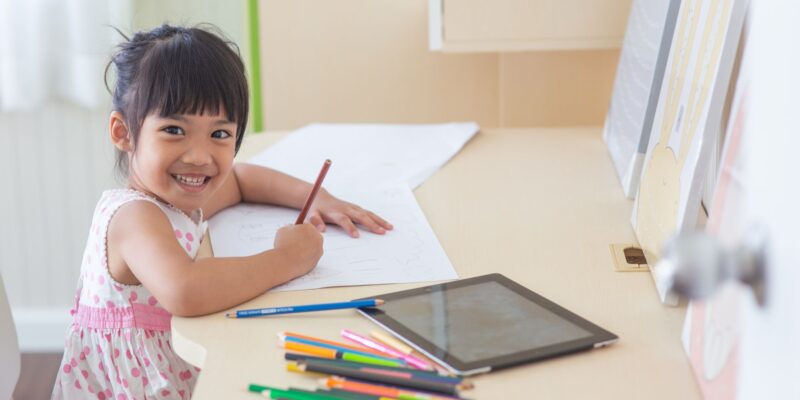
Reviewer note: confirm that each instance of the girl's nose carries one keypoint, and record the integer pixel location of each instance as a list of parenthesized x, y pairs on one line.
[(197, 154)]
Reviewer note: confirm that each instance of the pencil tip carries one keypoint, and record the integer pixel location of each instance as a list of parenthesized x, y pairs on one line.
[(378, 302), (229, 315)]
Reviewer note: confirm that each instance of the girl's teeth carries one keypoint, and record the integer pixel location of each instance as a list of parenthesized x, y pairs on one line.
[(190, 181)]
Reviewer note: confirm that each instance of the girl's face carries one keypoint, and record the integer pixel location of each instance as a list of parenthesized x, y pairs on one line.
[(183, 159)]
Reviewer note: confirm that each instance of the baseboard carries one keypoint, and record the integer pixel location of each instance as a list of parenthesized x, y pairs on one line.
[(41, 330)]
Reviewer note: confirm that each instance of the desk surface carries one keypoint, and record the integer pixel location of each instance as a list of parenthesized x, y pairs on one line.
[(540, 206)]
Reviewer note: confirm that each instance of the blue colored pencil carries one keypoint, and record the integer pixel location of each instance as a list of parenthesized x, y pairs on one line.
[(258, 312)]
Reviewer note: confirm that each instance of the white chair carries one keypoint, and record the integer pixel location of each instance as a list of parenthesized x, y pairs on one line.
[(9, 347)]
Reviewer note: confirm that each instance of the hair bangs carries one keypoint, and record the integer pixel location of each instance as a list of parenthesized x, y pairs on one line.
[(188, 75)]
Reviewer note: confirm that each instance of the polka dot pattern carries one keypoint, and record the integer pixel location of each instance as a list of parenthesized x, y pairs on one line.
[(122, 363)]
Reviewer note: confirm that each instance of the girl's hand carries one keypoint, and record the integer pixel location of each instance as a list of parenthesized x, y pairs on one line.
[(327, 208), (302, 244)]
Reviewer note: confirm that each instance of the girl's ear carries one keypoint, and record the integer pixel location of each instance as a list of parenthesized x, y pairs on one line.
[(120, 136)]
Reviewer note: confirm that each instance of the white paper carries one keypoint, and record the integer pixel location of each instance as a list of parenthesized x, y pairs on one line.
[(408, 253), (374, 166), (367, 154)]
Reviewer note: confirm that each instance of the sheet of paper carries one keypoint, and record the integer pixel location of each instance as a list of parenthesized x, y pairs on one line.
[(408, 253), (367, 154), (637, 85)]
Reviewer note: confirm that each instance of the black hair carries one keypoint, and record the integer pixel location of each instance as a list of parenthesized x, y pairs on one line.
[(177, 70)]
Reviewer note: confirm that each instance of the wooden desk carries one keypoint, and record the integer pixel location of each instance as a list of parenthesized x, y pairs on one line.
[(540, 206)]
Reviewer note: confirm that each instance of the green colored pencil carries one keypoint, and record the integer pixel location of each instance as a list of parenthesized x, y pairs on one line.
[(289, 394), (430, 375), (349, 395)]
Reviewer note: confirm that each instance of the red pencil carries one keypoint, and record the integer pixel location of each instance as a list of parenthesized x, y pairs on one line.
[(313, 194)]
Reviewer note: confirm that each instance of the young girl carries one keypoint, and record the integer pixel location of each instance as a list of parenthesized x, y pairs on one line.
[(179, 113)]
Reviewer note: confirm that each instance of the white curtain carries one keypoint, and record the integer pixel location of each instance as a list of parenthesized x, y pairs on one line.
[(56, 50)]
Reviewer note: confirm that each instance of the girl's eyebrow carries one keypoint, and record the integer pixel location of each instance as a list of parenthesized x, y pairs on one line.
[(176, 117), (179, 117), (223, 122)]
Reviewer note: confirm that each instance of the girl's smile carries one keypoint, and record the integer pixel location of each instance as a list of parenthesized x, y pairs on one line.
[(192, 182)]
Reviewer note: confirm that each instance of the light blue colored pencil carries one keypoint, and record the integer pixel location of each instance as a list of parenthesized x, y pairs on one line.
[(259, 312)]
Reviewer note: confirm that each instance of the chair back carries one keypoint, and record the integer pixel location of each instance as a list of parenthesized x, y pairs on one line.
[(9, 347)]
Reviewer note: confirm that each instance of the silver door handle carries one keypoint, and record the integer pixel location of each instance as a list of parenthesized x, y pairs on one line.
[(695, 264)]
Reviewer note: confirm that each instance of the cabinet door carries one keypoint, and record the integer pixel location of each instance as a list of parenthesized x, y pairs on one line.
[(739, 348), (511, 25), (770, 350)]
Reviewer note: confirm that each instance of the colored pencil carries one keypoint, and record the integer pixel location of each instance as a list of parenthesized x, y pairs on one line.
[(341, 355), (313, 193), (404, 348), (339, 394), (335, 382), (413, 383), (391, 342), (334, 347), (289, 394), (395, 371), (327, 343), (351, 395), (258, 312), (409, 359)]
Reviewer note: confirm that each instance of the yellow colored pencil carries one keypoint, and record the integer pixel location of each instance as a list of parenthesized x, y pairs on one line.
[(391, 342)]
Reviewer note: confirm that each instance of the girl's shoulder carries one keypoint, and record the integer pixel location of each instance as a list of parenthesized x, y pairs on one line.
[(189, 230), (114, 198), (118, 197)]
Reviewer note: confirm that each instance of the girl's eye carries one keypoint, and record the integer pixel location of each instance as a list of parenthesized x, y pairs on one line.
[(221, 134), (173, 130)]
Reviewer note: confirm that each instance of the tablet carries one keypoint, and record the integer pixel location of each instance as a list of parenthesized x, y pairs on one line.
[(485, 323)]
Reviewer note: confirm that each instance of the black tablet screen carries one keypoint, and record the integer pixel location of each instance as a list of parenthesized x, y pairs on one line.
[(481, 321)]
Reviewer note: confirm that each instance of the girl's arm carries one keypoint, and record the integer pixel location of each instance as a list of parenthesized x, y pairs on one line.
[(141, 240), (255, 184)]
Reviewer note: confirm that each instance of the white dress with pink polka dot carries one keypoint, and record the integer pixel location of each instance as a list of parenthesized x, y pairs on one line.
[(119, 344)]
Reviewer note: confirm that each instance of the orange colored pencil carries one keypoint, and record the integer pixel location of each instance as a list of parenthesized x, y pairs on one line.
[(333, 354), (332, 343), (314, 350), (335, 382)]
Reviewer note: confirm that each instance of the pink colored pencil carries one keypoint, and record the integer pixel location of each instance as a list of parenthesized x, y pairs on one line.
[(411, 360)]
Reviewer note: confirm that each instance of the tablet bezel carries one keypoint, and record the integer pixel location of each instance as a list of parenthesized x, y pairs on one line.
[(598, 336)]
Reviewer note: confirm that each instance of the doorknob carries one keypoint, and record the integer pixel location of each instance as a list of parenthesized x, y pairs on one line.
[(695, 264)]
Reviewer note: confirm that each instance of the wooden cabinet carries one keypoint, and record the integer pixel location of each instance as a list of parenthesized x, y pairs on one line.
[(522, 25)]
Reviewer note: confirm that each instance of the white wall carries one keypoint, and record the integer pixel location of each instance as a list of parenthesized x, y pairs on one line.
[(54, 163)]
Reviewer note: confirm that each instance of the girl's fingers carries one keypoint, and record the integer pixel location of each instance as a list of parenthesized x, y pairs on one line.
[(382, 222), (366, 219), (348, 217), (316, 220), (346, 224)]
